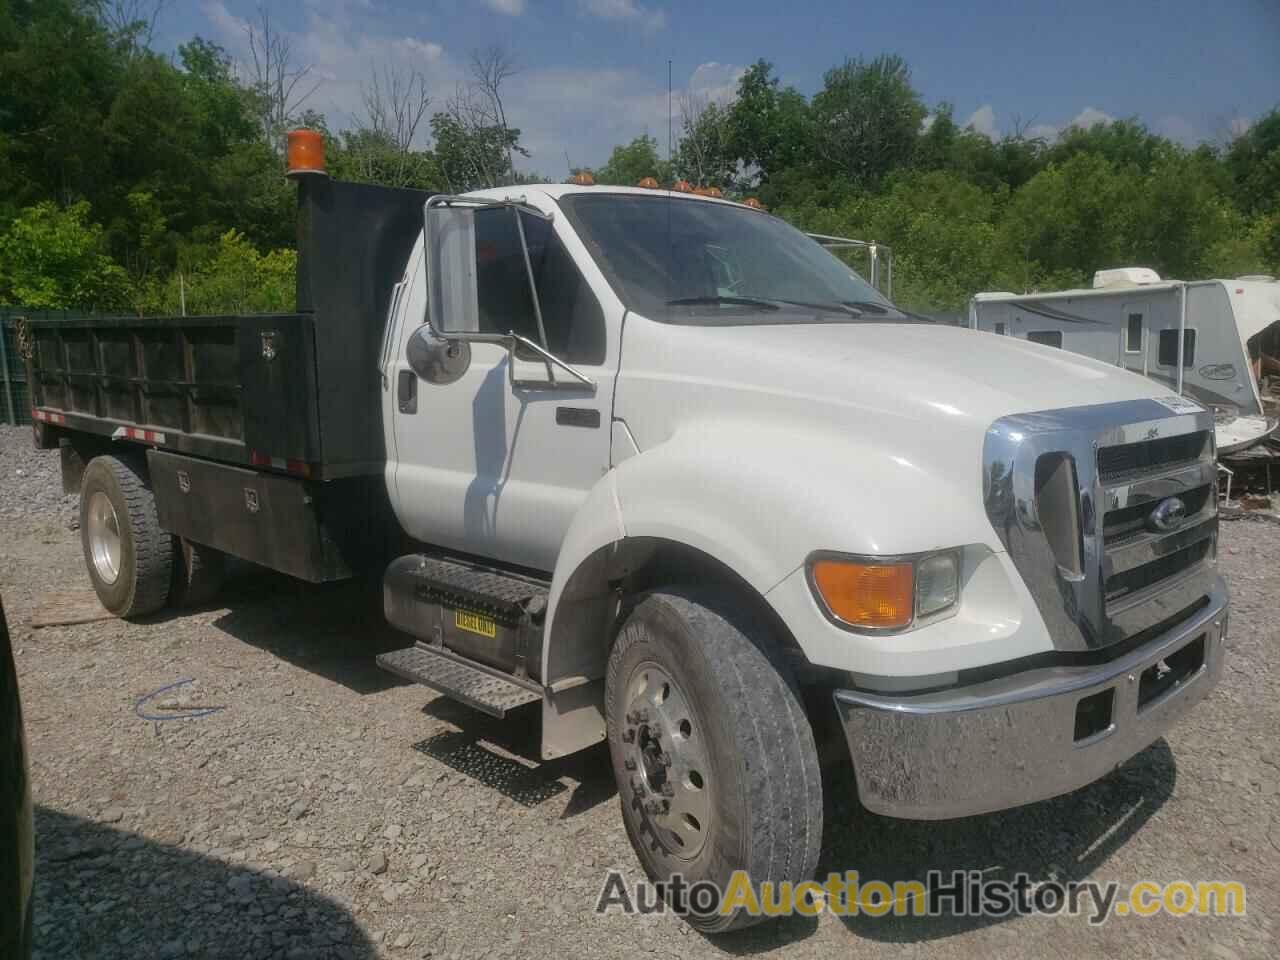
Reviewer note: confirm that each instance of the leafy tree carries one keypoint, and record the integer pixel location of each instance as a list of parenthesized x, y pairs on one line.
[(53, 258), (1253, 163), (630, 164), (704, 156), (768, 127), (866, 118)]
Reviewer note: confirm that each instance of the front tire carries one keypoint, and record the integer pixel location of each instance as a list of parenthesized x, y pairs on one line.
[(128, 556), (714, 757)]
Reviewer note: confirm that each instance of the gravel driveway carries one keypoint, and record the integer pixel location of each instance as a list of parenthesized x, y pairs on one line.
[(330, 810)]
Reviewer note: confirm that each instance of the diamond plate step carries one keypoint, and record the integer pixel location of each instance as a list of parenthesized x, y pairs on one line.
[(466, 681)]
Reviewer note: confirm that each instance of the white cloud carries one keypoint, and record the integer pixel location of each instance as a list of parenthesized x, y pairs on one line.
[(512, 8), (983, 121), (716, 81), (650, 18), (1091, 117), (1042, 131), (927, 123), (1240, 126)]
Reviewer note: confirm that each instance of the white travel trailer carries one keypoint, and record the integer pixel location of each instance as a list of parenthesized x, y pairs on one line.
[(1211, 340)]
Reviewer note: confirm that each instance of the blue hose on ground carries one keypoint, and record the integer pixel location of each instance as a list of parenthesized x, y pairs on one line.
[(191, 714)]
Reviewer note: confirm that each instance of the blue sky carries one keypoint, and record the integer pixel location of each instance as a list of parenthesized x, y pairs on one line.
[(593, 72)]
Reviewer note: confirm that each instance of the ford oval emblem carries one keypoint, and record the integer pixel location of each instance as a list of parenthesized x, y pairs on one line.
[(1168, 515)]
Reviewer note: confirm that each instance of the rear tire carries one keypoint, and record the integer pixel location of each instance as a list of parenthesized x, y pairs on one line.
[(198, 572), (714, 757), (128, 556)]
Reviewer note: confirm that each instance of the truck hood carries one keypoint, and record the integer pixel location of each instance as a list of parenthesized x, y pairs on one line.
[(874, 421), (903, 371)]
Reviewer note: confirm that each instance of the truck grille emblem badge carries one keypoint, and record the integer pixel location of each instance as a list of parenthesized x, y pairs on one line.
[(1168, 515), (251, 499), (268, 345), (184, 481)]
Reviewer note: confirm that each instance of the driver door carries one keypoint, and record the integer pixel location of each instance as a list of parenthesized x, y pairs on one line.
[(487, 467)]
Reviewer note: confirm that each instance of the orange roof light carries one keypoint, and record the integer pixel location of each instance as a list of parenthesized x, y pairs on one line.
[(683, 186), (869, 595), (305, 153), (753, 203), (708, 191), (584, 179), (649, 183)]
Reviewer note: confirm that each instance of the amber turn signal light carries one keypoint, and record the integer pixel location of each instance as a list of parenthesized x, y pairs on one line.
[(877, 596)]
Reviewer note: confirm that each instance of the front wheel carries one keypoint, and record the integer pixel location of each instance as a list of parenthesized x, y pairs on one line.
[(714, 756)]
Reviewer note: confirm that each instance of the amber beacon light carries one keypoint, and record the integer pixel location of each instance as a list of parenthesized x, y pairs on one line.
[(305, 153)]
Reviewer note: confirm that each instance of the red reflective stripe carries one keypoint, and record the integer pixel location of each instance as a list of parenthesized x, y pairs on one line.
[(258, 459), (299, 467)]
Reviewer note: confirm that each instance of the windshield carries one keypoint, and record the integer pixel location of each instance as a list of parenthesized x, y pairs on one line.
[(682, 260)]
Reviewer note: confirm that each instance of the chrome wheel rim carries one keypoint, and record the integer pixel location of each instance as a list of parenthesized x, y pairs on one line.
[(666, 757), (104, 537)]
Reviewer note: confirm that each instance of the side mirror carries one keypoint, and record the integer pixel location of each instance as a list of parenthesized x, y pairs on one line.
[(453, 303), (436, 359)]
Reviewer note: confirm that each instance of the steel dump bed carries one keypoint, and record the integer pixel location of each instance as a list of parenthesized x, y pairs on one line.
[(294, 391)]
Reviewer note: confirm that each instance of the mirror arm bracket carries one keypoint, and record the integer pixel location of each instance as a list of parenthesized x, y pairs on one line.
[(548, 358)]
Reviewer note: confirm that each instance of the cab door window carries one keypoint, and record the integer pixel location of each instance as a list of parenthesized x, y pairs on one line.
[(571, 314)]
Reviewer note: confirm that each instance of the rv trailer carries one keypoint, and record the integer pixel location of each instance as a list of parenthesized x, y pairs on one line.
[(1211, 340)]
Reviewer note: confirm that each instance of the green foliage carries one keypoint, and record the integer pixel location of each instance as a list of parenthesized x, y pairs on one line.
[(866, 119), (122, 171), (235, 278), (52, 258), (630, 164)]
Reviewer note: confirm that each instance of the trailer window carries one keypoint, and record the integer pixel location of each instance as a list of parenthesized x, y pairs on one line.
[(1133, 334), (1000, 328), (1169, 348), (571, 314), (1050, 338)]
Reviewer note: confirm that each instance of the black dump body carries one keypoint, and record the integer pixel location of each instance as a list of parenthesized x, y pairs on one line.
[(301, 389)]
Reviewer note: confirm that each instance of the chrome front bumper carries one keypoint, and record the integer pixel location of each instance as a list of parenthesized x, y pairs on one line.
[(1017, 739)]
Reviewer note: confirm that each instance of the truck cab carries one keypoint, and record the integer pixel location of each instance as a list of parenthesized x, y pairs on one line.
[(677, 475)]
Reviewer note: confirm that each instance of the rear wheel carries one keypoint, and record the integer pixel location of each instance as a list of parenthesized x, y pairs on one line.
[(128, 556), (714, 757)]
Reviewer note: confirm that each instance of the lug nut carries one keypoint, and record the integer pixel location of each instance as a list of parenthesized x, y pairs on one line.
[(668, 790), (628, 736), (629, 764)]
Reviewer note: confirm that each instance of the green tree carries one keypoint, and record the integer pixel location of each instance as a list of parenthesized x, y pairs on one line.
[(53, 258), (866, 119), (769, 127), (629, 164)]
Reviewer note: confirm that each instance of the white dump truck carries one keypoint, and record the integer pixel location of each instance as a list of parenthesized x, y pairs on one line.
[(666, 470)]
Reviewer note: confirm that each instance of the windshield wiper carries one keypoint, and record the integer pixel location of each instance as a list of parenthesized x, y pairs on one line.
[(873, 305), (831, 307), (726, 301)]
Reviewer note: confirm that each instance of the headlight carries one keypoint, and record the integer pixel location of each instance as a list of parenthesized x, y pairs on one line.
[(937, 584), (885, 594)]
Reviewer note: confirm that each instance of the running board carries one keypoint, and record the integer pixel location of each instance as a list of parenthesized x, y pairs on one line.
[(479, 686)]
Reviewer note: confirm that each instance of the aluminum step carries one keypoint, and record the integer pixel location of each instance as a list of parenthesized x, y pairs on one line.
[(475, 684)]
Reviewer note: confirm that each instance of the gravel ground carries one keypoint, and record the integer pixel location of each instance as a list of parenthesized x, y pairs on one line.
[(331, 811)]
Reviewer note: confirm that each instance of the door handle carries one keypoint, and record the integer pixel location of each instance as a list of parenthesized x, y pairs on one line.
[(407, 391)]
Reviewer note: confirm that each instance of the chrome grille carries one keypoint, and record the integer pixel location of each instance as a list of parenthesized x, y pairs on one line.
[(1098, 566)]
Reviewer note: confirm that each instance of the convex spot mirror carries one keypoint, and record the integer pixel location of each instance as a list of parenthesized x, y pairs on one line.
[(437, 359)]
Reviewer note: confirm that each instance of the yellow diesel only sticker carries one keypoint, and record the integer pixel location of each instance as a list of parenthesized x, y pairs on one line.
[(475, 623)]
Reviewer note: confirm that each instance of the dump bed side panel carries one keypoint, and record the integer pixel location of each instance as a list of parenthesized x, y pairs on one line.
[(220, 387)]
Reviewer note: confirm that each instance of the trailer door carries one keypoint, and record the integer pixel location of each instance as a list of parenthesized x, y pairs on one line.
[(1134, 325)]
